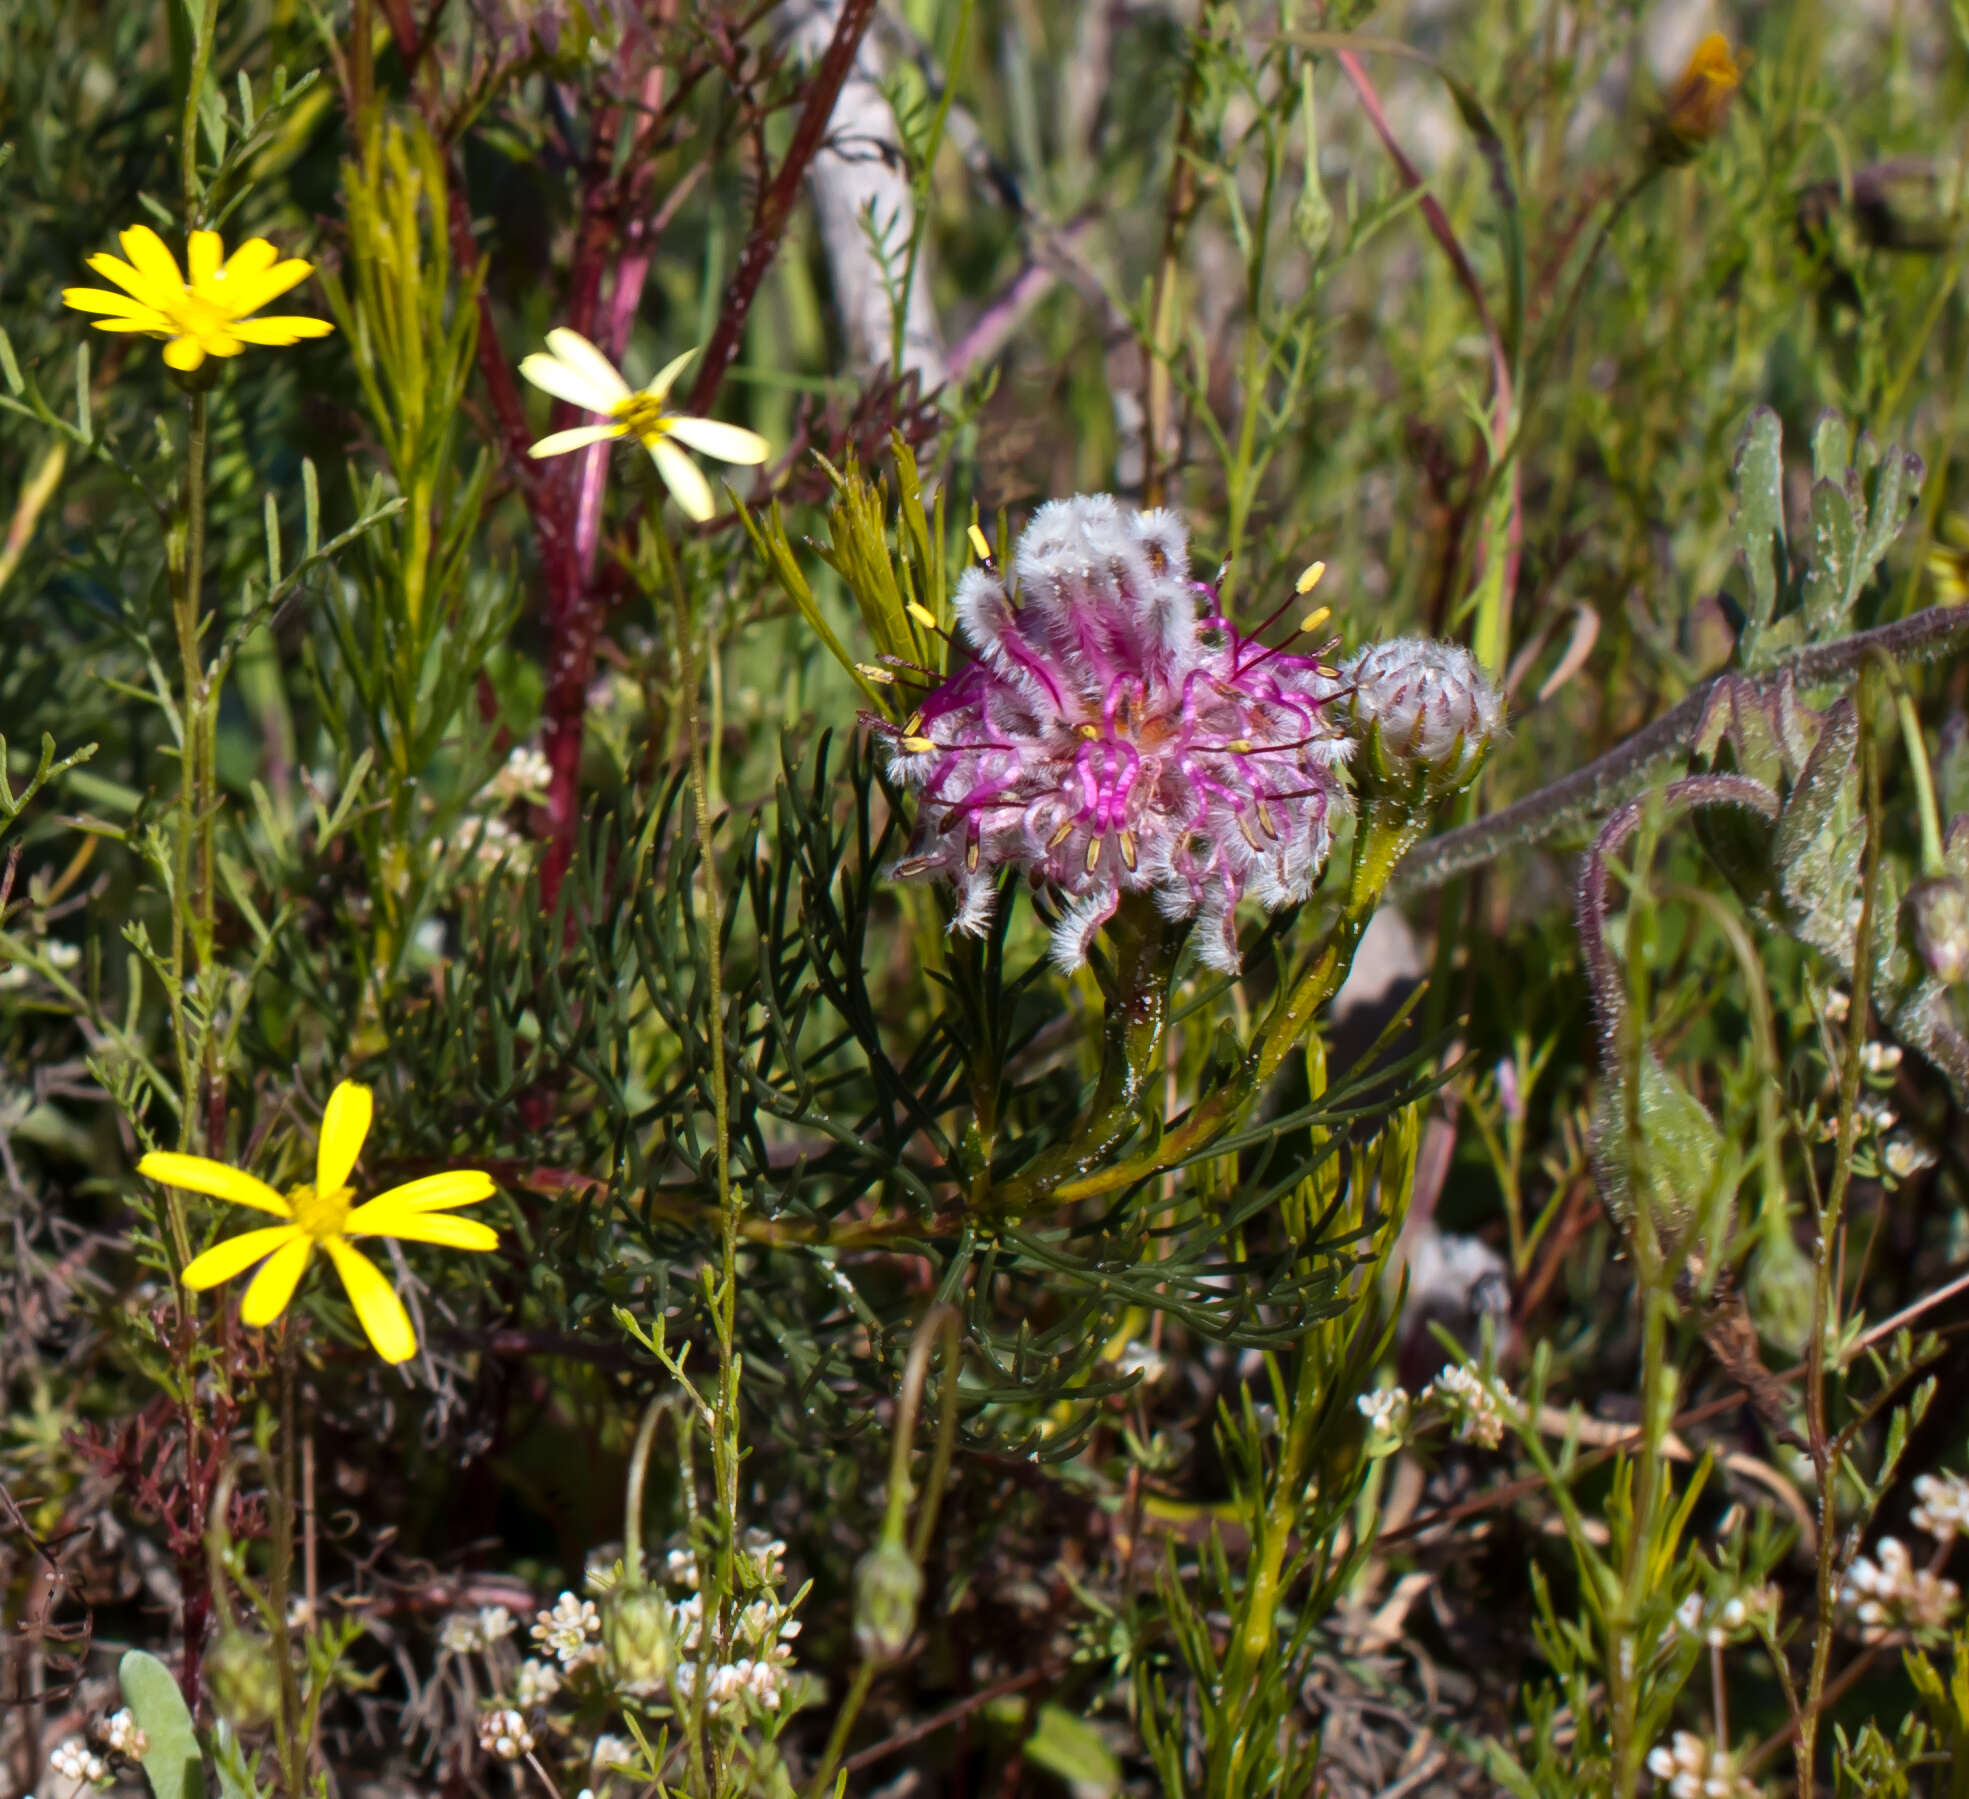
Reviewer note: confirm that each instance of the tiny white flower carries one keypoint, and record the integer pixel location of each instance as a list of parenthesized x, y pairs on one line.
[(1943, 1508), (1906, 1158), (575, 371), (495, 1623), (568, 1631), (120, 1732), (460, 1634), (536, 1682), (1880, 1058), (503, 1733)]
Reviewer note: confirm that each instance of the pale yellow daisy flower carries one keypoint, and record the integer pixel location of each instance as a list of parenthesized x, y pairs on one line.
[(325, 1216), (206, 315), (575, 371)]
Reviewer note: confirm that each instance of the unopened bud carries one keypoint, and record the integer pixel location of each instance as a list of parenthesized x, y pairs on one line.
[(888, 1586), (245, 1680), (636, 1634), (1422, 706), (1938, 914)]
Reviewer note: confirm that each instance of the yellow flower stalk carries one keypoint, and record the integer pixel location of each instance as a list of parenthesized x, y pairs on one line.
[(325, 1216), (577, 372), (205, 315)]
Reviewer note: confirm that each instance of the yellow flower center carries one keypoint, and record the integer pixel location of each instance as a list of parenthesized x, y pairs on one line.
[(321, 1215), (645, 416), (195, 315)]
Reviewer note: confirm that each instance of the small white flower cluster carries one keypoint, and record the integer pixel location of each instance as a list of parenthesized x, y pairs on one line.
[(535, 1683), (75, 1760), (1477, 1402), (1139, 1358), (1880, 1058), (526, 775), (748, 1678), (766, 1554), (459, 1634), (489, 841), (1891, 1594), (503, 1733), (59, 956), (121, 1736), (613, 1754), (1837, 1004), (1689, 1768), (1904, 1158), (1386, 1411), (1942, 1507), (680, 1568), (569, 1631), (1726, 1619)]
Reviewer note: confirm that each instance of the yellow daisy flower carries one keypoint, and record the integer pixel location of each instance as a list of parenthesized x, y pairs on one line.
[(205, 316), (579, 373), (325, 1215)]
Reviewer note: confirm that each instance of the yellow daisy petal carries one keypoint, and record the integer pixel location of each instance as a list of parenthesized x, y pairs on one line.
[(254, 257), (202, 256), (421, 1227), (152, 260), (274, 1285), (114, 268), (237, 1254), (101, 299), (198, 1175), (241, 294), (666, 377), (184, 354), (344, 1124), (729, 443), (435, 1192), (682, 477), (375, 1301), (278, 330)]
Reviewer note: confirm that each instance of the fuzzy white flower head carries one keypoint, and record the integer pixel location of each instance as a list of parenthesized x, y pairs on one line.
[(572, 369), (1385, 1410), (1904, 1158), (75, 1760), (120, 1733), (503, 1733), (1888, 1594), (460, 1634), (1479, 1403), (1423, 704)]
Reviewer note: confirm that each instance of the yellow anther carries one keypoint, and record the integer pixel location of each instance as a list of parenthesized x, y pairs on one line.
[(1244, 825), (980, 545), (919, 746), (870, 671), (915, 725), (922, 615), (1093, 853), (971, 855), (1317, 617), (1309, 578), (1127, 841), (1060, 836), (1239, 746), (1265, 820), (1090, 732)]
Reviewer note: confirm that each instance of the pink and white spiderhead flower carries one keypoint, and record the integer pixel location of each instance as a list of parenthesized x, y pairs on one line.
[(1117, 734), (1430, 703), (572, 369)]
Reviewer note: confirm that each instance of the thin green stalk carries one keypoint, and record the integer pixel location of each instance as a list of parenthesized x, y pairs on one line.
[(1924, 781), (1825, 1452), (201, 66)]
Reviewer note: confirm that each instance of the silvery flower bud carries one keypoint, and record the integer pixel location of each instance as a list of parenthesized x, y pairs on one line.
[(888, 1586), (1938, 910), (1418, 705), (636, 1634), (245, 1680)]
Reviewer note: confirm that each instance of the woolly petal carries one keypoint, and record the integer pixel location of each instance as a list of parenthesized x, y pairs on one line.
[(684, 480), (101, 299), (729, 443), (274, 1285), (551, 375), (666, 376), (434, 1192), (577, 353), (184, 354), (244, 293), (198, 1175), (155, 265), (202, 257), (237, 1254), (281, 329), (421, 1227), (344, 1124), (558, 443), (383, 1317)]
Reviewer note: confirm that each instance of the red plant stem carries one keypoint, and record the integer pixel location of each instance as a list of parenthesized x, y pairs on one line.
[(776, 197)]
